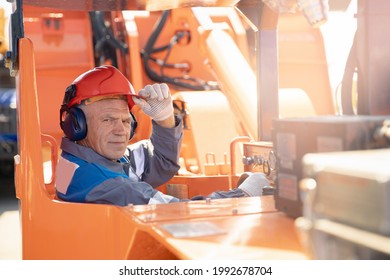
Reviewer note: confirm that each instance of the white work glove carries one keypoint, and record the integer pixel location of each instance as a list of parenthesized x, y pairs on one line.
[(156, 101), (254, 183)]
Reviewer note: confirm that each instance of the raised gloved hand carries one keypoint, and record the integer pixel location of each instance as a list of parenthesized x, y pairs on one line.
[(253, 185), (156, 101)]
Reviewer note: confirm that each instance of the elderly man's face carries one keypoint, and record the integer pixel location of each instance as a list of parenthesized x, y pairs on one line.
[(109, 125)]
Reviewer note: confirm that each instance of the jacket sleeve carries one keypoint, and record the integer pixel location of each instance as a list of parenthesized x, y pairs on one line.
[(155, 161), (122, 192)]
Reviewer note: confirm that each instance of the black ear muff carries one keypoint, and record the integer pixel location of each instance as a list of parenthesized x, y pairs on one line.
[(72, 120), (134, 125), (74, 124)]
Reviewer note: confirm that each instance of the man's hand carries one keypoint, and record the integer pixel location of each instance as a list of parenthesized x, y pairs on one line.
[(156, 102), (254, 184)]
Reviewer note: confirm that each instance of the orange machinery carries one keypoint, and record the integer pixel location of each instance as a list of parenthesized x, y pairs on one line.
[(54, 229), (57, 46)]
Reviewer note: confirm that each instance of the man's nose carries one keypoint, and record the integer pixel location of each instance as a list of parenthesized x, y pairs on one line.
[(120, 127)]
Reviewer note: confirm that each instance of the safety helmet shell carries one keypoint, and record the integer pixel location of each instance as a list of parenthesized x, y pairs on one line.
[(101, 81)]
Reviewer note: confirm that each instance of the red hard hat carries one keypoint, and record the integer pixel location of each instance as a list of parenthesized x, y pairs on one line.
[(101, 81)]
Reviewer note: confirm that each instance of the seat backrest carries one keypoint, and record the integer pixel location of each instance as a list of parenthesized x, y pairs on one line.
[(57, 61)]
